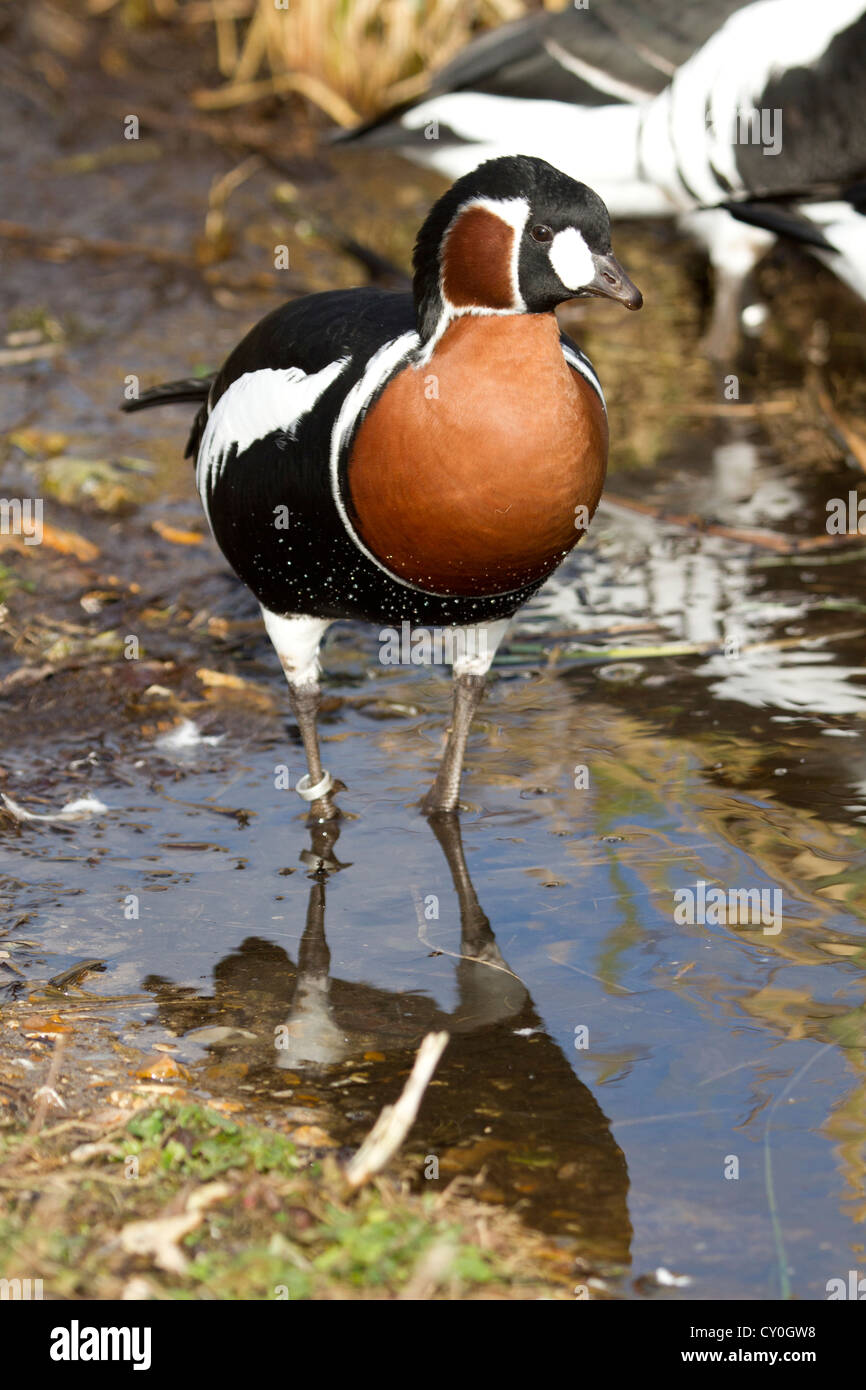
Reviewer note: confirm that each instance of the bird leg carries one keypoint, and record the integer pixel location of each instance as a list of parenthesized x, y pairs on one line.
[(474, 649), (443, 794), (734, 249), (721, 340), (296, 639), (316, 787)]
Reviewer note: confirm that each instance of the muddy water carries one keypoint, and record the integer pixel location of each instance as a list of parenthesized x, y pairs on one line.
[(679, 707)]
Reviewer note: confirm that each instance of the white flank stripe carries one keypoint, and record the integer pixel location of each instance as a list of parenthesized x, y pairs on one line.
[(597, 145), (378, 369), (633, 154), (581, 365), (690, 128), (255, 405), (844, 228)]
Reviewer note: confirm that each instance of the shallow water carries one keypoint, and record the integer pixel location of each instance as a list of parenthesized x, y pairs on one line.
[(704, 1043), (679, 706)]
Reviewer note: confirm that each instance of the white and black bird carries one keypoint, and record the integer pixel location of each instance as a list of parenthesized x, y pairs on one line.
[(746, 121), (425, 458)]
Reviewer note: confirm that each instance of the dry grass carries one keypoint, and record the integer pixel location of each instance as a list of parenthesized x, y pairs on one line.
[(350, 58)]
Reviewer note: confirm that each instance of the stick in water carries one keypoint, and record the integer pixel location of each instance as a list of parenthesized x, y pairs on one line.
[(396, 1120)]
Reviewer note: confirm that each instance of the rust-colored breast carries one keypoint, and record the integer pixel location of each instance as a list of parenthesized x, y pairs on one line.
[(467, 474)]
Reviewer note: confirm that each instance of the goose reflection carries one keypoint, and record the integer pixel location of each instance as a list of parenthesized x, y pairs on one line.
[(505, 1107)]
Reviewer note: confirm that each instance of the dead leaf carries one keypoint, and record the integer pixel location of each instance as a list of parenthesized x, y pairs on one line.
[(176, 535), (45, 1027), (108, 484), (205, 1196), (160, 1239), (69, 543), (312, 1137), (221, 678), (39, 443), (163, 1068), (212, 1037), (226, 1107), (64, 542), (84, 1152)]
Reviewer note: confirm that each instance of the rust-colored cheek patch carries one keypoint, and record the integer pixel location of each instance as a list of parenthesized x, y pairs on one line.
[(476, 262)]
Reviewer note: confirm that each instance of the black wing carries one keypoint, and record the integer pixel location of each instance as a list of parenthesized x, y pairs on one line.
[(309, 333)]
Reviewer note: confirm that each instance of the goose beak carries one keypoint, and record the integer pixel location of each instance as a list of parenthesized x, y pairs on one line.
[(611, 282)]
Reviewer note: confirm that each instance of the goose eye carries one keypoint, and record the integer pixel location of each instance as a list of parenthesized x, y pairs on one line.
[(541, 233)]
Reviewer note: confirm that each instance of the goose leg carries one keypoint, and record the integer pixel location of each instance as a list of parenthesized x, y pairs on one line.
[(476, 647), (734, 250), (296, 639), (317, 785), (444, 792)]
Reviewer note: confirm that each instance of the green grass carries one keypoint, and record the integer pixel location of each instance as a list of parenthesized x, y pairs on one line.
[(276, 1223)]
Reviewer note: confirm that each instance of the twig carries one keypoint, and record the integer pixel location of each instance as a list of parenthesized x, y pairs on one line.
[(248, 135), (741, 410), (431, 1270), (46, 1090), (455, 955), (67, 246), (222, 189), (234, 132), (396, 1120), (677, 649), (239, 93), (853, 441), (12, 357), (769, 1185)]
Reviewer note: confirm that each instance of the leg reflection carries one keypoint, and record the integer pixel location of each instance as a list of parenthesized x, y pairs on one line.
[(489, 990), (310, 1035)]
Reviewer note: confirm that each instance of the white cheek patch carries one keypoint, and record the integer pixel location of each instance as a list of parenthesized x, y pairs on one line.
[(571, 258)]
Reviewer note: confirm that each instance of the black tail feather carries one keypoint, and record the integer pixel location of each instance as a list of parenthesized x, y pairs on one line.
[(192, 391), (783, 219)]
